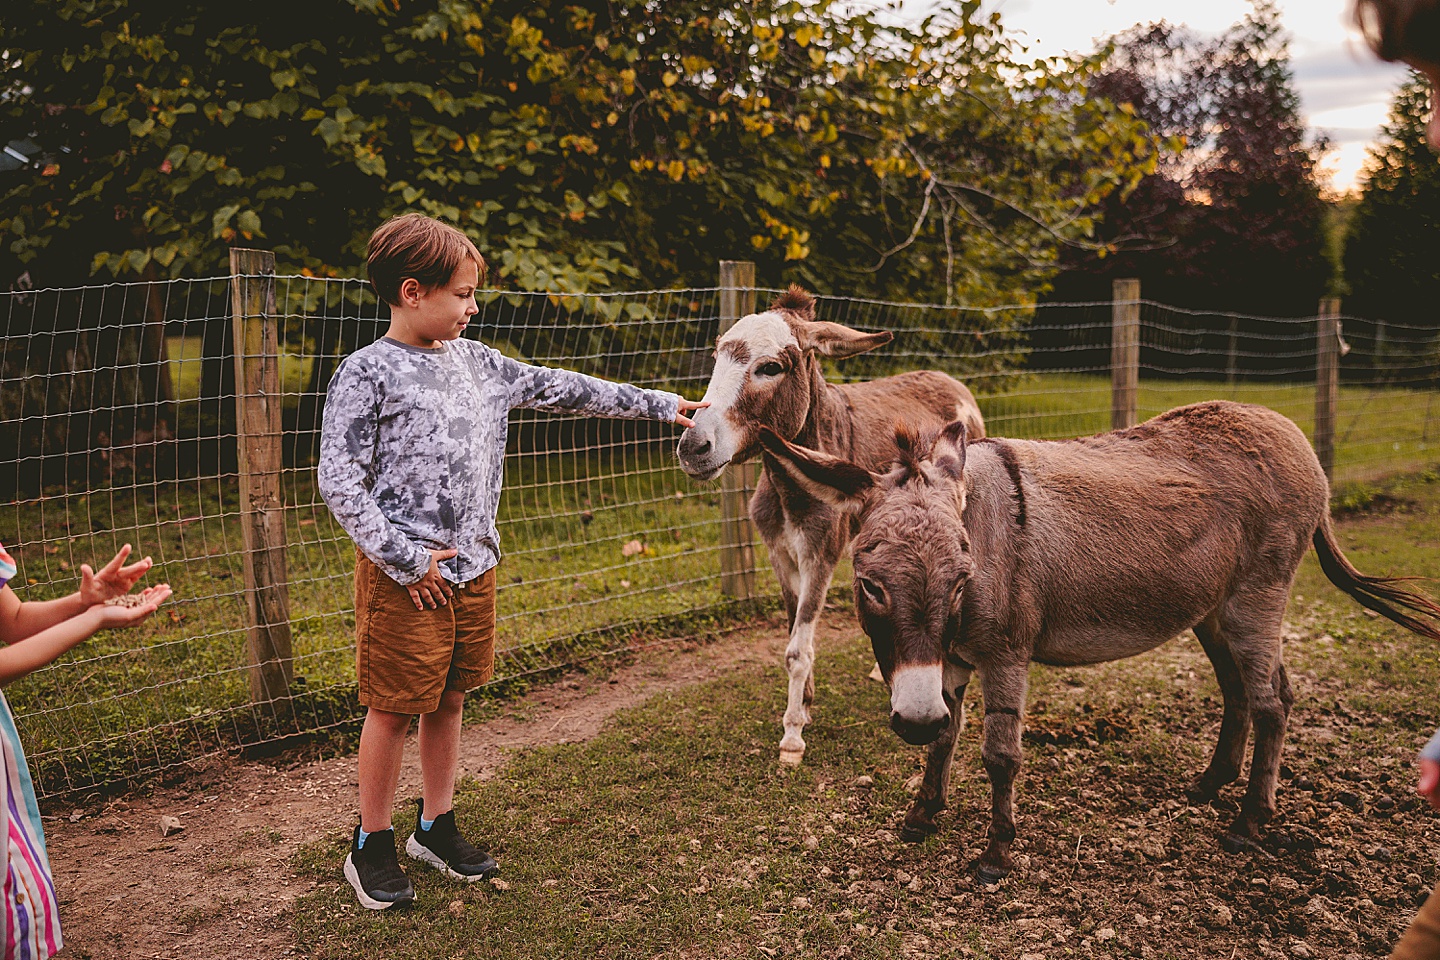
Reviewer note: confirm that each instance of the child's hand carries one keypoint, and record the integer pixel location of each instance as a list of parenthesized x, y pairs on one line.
[(112, 580), (685, 407), (432, 588), (139, 606), (1429, 786)]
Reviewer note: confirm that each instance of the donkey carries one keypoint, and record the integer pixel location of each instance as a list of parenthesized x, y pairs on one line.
[(987, 556), (767, 375)]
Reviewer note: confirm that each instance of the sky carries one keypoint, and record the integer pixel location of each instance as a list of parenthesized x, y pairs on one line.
[(1344, 90)]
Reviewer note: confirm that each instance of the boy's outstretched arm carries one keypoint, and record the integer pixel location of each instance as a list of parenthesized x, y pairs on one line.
[(565, 391)]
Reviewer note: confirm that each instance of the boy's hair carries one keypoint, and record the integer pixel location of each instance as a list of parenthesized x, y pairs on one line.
[(1407, 30), (414, 245)]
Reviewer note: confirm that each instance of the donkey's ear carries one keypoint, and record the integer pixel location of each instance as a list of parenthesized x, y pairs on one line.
[(835, 340), (948, 453), (828, 479)]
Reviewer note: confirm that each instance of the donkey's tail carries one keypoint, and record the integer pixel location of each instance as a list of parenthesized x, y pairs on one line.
[(1377, 593)]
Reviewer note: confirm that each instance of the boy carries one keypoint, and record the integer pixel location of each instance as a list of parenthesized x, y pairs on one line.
[(411, 454)]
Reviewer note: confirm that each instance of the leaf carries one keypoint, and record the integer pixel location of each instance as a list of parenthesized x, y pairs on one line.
[(222, 218)]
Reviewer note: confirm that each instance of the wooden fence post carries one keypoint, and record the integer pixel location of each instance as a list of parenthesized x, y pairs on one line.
[(1327, 381), (737, 534), (257, 418), (1125, 354)]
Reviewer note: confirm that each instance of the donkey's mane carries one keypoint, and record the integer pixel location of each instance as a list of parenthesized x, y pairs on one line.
[(913, 447), (796, 300)]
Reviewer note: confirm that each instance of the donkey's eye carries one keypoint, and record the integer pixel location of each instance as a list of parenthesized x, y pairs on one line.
[(957, 593), (872, 591), (770, 369)]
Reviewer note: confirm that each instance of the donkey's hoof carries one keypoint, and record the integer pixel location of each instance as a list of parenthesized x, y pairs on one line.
[(791, 758), (917, 832), (989, 875), (1202, 790), (1234, 843)]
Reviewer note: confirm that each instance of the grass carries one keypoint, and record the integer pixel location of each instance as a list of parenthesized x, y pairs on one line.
[(127, 704), (1379, 431), (675, 834)]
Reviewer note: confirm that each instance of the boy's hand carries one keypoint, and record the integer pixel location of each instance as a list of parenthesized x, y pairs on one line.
[(138, 607), (432, 588), (112, 580), (1429, 786), (685, 407)]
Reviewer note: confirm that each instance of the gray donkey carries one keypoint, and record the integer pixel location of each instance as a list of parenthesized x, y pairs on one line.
[(987, 556), (767, 375)]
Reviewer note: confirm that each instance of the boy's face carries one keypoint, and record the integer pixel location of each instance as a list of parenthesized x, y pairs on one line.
[(441, 313)]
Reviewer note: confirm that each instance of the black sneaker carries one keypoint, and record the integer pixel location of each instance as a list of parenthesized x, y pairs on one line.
[(375, 873), (444, 849)]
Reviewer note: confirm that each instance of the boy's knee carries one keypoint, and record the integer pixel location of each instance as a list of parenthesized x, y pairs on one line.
[(389, 720)]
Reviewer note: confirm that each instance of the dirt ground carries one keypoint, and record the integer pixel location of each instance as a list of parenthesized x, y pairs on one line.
[(222, 888), (1342, 869)]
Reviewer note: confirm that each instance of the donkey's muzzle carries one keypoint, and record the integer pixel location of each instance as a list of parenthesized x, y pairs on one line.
[(918, 733), (697, 456)]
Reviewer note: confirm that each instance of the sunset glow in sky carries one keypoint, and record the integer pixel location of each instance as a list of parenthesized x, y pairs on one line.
[(1344, 90)]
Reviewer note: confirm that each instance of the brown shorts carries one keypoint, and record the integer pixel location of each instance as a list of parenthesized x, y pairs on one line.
[(406, 658)]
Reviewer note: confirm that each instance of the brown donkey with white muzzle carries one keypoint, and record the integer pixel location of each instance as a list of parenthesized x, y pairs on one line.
[(767, 376), (984, 557)]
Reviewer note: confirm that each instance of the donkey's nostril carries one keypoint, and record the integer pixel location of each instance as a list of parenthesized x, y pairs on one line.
[(918, 733), (703, 447)]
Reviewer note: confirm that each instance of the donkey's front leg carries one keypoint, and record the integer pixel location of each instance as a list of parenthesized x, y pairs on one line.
[(814, 583), (1004, 692), (935, 788)]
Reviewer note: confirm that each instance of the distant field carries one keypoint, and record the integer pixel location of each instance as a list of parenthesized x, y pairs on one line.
[(1379, 431)]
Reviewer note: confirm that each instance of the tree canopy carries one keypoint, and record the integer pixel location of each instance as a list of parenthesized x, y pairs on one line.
[(1234, 219), (1390, 263), (583, 145)]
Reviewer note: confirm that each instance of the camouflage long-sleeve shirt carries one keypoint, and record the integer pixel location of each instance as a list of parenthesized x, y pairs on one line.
[(412, 447)]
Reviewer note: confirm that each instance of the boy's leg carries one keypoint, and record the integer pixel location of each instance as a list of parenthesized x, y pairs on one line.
[(440, 752), (472, 664), (371, 866), (401, 659), (382, 750)]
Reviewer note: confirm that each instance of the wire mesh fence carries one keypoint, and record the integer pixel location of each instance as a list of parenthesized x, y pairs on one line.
[(118, 414)]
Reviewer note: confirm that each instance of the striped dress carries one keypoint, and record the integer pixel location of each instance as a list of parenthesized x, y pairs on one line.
[(32, 916)]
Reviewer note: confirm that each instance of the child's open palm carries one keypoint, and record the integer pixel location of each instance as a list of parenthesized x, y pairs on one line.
[(112, 580), (145, 603)]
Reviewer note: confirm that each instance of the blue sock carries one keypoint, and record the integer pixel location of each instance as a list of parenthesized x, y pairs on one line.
[(426, 824), (360, 844)]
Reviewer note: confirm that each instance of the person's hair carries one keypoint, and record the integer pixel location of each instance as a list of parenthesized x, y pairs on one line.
[(1407, 30), (414, 245)]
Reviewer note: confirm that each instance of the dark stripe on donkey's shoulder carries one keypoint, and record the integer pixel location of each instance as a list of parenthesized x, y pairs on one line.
[(1006, 453)]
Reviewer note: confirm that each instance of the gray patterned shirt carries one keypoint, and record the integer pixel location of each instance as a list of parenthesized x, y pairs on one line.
[(412, 447)]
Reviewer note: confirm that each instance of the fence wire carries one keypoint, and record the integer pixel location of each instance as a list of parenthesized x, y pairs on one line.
[(117, 424)]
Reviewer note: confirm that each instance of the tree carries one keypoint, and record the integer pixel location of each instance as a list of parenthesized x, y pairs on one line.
[(1390, 268), (558, 136), (585, 146), (1236, 205), (1390, 265), (1265, 217)]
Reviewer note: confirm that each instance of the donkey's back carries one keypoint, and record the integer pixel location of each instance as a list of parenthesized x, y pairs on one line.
[(919, 401), (1133, 536)]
